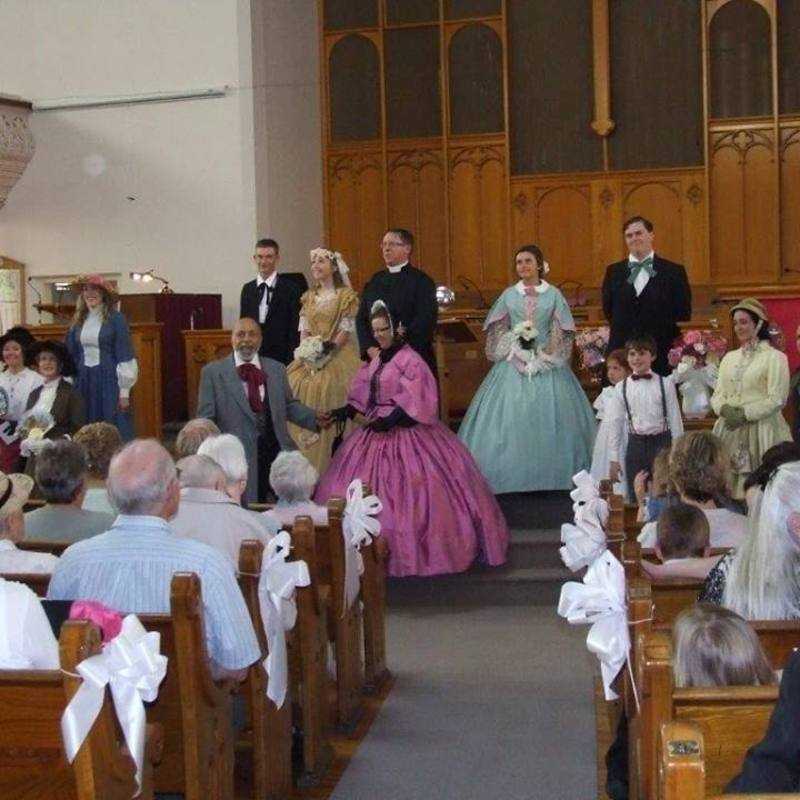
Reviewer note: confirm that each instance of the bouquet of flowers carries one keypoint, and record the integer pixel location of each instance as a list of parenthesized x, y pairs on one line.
[(592, 344), (32, 430), (526, 334), (314, 352), (696, 349)]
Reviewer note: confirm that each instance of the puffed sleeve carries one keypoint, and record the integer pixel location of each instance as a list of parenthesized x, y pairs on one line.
[(127, 366), (498, 330), (777, 388), (417, 394), (127, 375)]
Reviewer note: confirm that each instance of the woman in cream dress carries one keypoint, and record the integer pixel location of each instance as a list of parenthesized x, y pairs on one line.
[(327, 311), (751, 391)]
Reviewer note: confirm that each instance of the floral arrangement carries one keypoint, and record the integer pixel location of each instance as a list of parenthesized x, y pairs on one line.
[(314, 352), (696, 349), (526, 334), (592, 344), (32, 431)]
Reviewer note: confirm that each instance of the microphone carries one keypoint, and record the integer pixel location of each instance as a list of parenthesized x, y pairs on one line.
[(467, 283), (37, 306)]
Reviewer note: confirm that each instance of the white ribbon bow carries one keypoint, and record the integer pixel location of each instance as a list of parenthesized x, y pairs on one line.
[(358, 527), (586, 539), (600, 602), (132, 665), (277, 586)]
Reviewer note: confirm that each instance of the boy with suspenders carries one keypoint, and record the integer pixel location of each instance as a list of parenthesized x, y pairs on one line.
[(648, 404)]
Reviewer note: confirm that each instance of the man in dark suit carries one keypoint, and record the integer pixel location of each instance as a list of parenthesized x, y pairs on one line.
[(250, 398), (645, 294), (273, 301), (409, 293)]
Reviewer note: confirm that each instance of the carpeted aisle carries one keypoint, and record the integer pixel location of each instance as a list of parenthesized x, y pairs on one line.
[(492, 702)]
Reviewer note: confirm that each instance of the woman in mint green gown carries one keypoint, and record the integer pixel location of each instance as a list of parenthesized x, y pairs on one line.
[(530, 426)]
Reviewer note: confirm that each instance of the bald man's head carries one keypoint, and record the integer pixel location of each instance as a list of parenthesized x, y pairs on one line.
[(246, 338), (142, 480)]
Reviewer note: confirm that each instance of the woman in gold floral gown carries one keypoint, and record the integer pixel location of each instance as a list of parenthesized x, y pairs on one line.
[(327, 324)]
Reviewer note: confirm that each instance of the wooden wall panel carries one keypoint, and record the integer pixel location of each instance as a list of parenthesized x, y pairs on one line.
[(660, 202), (465, 221), (356, 211), (743, 206), (790, 201), (416, 202)]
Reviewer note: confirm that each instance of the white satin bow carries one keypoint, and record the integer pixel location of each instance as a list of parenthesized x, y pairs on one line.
[(586, 539), (358, 527), (132, 665), (276, 599), (600, 602)]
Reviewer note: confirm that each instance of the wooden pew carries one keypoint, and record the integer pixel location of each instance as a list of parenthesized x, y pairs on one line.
[(731, 718), (37, 581), (615, 530), (682, 767), (270, 733), (308, 651), (32, 760), (55, 548), (194, 710)]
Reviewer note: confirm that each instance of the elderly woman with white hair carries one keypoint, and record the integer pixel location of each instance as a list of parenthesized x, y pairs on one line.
[(227, 451), (293, 479)]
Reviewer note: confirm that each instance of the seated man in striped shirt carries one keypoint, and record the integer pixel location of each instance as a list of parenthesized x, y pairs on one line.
[(129, 568)]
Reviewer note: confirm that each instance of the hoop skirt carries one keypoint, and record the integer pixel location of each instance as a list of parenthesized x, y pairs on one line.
[(324, 316), (530, 431), (439, 513)]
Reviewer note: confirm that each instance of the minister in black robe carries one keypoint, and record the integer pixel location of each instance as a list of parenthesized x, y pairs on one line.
[(645, 294), (410, 295)]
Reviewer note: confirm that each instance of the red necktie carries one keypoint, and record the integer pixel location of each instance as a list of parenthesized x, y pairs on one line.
[(254, 378)]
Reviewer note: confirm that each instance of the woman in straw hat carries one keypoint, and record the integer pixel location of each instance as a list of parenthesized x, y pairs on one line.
[(100, 345), (751, 391)]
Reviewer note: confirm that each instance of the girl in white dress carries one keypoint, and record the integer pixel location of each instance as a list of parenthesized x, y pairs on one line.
[(616, 371)]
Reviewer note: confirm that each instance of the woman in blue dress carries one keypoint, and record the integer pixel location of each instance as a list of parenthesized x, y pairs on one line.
[(100, 345), (530, 426)]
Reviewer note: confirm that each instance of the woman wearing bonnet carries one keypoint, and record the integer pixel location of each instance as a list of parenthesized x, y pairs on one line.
[(327, 358), (530, 426), (751, 391)]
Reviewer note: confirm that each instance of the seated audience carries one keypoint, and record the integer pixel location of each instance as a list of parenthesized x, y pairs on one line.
[(654, 491), (26, 639), (228, 452), (61, 474), (207, 514), (714, 646), (192, 435), (760, 579), (773, 765), (14, 492), (100, 440), (130, 567), (699, 471), (293, 478), (682, 532)]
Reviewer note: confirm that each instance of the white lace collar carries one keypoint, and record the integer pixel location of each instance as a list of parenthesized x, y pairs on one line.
[(540, 287)]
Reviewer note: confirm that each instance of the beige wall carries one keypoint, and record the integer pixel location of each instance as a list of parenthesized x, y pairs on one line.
[(185, 186)]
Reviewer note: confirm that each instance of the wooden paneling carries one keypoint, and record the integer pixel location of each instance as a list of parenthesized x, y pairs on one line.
[(200, 348), (577, 219), (341, 14), (790, 201), (356, 210), (789, 56), (355, 102), (477, 214), (744, 205), (416, 202)]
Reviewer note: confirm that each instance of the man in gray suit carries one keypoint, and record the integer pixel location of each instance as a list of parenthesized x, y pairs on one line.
[(250, 397)]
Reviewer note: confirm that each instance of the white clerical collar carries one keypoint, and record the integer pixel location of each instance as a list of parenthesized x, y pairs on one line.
[(540, 287), (238, 360), (269, 281), (395, 268), (633, 260)]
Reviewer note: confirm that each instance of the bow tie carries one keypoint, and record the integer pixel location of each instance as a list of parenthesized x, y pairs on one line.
[(647, 377), (254, 378), (635, 267)]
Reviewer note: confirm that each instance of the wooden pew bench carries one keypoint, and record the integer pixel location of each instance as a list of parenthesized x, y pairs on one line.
[(32, 759)]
